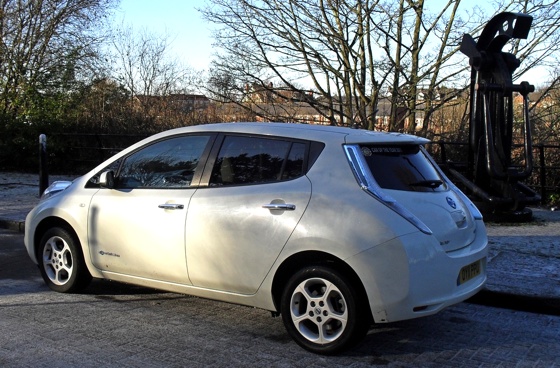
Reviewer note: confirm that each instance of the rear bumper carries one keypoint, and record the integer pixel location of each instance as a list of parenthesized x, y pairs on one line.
[(412, 276)]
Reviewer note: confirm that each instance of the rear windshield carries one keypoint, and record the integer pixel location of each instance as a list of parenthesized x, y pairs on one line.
[(403, 167)]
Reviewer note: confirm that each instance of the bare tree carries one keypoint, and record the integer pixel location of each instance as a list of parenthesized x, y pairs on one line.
[(350, 51), (422, 45), (346, 51), (157, 81), (222, 87), (103, 107), (45, 47), (145, 66), (281, 46)]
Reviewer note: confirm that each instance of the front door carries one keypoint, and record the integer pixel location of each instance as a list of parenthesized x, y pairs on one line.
[(138, 227), (131, 233)]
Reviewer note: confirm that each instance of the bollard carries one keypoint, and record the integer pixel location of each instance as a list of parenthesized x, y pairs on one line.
[(43, 165)]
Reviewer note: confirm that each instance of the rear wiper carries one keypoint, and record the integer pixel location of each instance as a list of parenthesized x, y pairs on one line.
[(427, 183)]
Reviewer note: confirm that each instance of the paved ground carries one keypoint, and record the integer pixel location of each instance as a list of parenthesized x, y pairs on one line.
[(111, 324), (117, 325), (19, 193), (523, 268)]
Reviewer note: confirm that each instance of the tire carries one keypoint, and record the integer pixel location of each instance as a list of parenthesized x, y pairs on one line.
[(322, 311), (61, 261)]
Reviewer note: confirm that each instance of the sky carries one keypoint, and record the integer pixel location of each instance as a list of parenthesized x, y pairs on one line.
[(189, 33)]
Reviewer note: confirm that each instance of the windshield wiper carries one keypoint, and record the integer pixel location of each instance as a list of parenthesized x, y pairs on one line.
[(427, 183)]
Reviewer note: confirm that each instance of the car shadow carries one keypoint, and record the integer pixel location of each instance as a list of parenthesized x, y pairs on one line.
[(107, 287)]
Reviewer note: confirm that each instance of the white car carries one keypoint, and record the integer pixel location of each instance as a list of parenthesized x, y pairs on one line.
[(333, 228)]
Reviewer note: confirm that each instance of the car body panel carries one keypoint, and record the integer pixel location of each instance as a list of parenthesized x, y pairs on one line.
[(246, 238), (72, 208), (224, 245), (414, 276), (444, 213), (139, 250)]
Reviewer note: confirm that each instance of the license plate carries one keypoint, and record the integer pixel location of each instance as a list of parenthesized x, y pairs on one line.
[(469, 272)]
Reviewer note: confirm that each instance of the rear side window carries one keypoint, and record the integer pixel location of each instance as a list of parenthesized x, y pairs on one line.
[(254, 160), (403, 167)]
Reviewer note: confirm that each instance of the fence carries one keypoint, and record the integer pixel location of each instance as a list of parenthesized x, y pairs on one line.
[(545, 178), (79, 153)]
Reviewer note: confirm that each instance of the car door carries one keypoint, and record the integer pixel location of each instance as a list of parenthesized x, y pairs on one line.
[(138, 228), (238, 225)]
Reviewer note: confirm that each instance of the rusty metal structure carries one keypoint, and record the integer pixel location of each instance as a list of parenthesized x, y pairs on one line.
[(491, 179)]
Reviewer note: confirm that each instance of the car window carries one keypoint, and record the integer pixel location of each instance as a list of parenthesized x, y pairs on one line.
[(403, 167), (294, 163), (252, 160), (165, 164)]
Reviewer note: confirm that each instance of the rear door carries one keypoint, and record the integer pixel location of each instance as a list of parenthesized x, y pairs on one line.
[(238, 225)]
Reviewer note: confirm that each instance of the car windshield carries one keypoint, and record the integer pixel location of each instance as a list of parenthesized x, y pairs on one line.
[(402, 167)]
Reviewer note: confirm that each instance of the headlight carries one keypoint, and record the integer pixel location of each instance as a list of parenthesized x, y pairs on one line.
[(54, 188)]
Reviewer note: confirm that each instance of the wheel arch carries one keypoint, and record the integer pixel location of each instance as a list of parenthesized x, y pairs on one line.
[(48, 223), (69, 259), (315, 258)]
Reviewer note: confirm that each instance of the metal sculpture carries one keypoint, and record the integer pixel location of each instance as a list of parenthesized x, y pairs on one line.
[(491, 179)]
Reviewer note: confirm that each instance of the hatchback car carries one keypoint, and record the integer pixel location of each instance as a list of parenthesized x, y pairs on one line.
[(333, 228)]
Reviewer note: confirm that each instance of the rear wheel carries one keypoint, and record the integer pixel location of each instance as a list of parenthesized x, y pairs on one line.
[(61, 261), (322, 311)]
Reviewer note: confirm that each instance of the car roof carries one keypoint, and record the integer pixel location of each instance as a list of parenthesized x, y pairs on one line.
[(324, 133)]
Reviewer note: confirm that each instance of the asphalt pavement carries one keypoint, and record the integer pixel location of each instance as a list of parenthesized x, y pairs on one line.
[(523, 263)]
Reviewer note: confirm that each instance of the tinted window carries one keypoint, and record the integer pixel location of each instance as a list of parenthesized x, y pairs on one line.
[(250, 160), (166, 164), (294, 163), (402, 168)]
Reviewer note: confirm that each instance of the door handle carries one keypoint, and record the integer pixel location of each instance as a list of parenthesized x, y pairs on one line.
[(280, 207), (171, 206)]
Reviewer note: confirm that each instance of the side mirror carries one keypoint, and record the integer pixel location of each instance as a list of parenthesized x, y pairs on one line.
[(107, 179)]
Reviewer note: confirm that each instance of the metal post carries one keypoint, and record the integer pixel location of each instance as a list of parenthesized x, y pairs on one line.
[(43, 165), (443, 152), (542, 173)]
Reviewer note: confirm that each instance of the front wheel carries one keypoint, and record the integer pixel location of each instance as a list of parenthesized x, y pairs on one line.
[(322, 311), (61, 261)]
